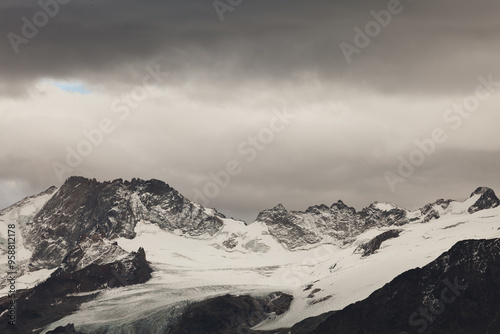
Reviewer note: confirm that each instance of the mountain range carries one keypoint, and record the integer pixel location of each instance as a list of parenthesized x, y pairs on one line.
[(138, 257)]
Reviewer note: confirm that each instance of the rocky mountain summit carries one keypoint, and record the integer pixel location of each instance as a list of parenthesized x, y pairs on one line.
[(488, 200), (84, 208)]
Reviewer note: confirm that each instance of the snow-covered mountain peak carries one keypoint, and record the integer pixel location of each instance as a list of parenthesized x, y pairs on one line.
[(85, 207), (487, 200), (482, 198), (384, 206), (483, 191)]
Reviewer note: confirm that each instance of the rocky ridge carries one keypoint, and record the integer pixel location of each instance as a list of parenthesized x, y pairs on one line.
[(84, 208), (341, 224)]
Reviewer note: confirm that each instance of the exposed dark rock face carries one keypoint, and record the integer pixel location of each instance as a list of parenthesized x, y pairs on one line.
[(68, 329), (374, 217), (231, 242), (296, 229), (277, 303), (230, 314), (311, 295), (457, 293), (488, 200), (320, 300), (92, 251), (429, 211), (286, 227), (303, 327), (133, 269), (58, 296), (307, 325), (371, 246), (84, 208)]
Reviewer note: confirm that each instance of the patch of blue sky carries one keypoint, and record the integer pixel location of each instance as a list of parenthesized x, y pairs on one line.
[(72, 87)]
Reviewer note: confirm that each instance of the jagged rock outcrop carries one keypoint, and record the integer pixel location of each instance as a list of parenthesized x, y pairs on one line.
[(230, 314), (373, 216), (92, 251), (287, 227), (83, 208), (339, 222), (68, 329), (457, 293), (373, 245), (231, 242), (64, 291)]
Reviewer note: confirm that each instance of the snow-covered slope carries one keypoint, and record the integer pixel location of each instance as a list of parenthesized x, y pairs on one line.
[(20, 215), (346, 276), (197, 253), (323, 278), (456, 293)]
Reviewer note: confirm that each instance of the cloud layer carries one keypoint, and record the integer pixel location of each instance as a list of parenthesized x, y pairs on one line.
[(353, 121)]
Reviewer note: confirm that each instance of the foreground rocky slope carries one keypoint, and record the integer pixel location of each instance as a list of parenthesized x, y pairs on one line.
[(65, 290), (230, 314), (457, 293)]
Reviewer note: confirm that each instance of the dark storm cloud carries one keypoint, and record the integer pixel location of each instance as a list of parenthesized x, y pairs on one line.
[(425, 47), (353, 119)]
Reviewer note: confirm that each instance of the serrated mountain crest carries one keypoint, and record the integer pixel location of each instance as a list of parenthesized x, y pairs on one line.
[(340, 223), (84, 208)]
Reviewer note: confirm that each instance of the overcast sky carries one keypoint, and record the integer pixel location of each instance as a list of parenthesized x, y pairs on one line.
[(181, 93)]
